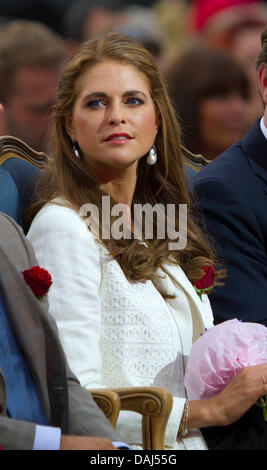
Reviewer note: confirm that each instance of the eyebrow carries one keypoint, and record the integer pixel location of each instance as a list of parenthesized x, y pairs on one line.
[(101, 94)]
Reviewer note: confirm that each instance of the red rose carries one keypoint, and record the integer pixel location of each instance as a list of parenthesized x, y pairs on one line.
[(38, 279), (207, 280)]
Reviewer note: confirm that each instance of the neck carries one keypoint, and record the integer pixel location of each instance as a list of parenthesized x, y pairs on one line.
[(121, 192), (121, 188)]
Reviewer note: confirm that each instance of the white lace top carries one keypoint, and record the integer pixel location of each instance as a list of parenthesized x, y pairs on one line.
[(118, 333)]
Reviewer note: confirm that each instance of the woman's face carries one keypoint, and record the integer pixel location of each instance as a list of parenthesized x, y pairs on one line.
[(223, 121), (114, 119)]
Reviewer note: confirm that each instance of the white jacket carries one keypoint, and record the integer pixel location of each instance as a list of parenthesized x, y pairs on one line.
[(118, 333)]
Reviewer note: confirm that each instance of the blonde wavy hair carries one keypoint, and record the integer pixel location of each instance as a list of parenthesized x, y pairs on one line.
[(163, 183)]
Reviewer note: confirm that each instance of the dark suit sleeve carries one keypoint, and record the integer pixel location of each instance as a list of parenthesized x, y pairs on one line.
[(240, 245)]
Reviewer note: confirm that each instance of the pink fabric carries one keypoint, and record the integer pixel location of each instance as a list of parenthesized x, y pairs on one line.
[(220, 353)]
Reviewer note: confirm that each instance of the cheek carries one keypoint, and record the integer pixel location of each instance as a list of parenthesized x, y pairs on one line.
[(83, 127), (210, 117), (148, 125), (17, 106), (209, 112)]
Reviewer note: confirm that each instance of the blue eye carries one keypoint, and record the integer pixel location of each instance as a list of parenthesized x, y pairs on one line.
[(134, 101), (94, 104)]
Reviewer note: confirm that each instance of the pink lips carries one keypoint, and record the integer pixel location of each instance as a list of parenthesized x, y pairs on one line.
[(118, 138)]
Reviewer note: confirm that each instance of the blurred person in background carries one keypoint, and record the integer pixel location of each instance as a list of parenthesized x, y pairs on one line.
[(210, 93), (87, 18), (142, 24), (231, 193), (172, 15), (235, 26), (48, 12), (31, 60)]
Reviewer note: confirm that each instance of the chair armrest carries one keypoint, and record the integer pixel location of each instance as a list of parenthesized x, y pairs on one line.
[(109, 402), (155, 405)]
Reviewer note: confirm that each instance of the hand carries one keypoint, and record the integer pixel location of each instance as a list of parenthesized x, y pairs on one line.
[(233, 402), (85, 443), (240, 394)]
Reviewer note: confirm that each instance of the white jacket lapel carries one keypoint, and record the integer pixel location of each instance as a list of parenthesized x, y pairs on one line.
[(195, 325)]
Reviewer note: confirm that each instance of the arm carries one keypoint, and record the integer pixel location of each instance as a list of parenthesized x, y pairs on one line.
[(21, 435), (240, 244), (65, 247), (232, 403), (17, 434), (85, 417)]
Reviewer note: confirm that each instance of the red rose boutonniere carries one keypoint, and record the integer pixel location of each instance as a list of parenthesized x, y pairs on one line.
[(206, 282), (38, 279)]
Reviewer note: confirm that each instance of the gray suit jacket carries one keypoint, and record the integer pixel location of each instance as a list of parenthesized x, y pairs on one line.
[(66, 403)]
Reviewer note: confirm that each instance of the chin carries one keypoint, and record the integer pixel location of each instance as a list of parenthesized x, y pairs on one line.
[(122, 162)]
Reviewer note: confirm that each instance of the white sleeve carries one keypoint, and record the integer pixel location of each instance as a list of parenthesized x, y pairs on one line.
[(65, 247)]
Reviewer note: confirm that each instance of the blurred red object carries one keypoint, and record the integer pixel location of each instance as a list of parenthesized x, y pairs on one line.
[(205, 11)]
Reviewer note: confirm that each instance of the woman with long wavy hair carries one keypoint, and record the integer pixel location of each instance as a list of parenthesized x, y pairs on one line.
[(122, 291)]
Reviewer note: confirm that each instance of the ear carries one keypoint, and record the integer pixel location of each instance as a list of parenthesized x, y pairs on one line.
[(69, 127), (263, 82)]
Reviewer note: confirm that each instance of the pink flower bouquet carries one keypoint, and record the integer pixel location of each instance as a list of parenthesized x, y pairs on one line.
[(220, 353)]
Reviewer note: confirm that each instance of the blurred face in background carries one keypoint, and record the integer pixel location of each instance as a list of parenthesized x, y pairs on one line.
[(246, 46), (28, 108), (223, 121), (100, 20)]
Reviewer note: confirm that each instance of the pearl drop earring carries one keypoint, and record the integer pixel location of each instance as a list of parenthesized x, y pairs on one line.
[(152, 156), (75, 150)]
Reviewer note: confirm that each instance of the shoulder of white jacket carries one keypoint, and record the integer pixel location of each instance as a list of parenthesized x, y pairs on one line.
[(57, 210), (55, 215)]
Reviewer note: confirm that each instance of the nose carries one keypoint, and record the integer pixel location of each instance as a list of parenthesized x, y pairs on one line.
[(116, 114)]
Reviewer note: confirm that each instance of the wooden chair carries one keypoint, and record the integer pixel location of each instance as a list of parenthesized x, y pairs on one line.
[(20, 166), (192, 164), (153, 403), (196, 161)]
